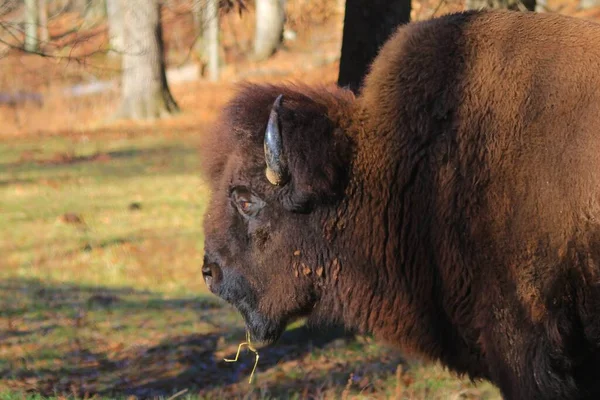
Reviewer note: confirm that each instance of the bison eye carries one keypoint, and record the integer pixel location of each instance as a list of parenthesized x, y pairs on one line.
[(246, 202), (245, 206)]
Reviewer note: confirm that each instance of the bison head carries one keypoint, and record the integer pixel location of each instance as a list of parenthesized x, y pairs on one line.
[(278, 162)]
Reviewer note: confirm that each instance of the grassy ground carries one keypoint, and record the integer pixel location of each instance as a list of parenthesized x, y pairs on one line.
[(100, 291)]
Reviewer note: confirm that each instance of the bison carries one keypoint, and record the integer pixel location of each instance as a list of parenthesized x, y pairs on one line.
[(452, 208)]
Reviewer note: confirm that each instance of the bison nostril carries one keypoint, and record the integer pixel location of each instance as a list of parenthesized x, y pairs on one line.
[(207, 275), (212, 274)]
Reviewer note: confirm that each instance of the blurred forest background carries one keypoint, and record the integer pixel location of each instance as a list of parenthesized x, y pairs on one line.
[(103, 105)]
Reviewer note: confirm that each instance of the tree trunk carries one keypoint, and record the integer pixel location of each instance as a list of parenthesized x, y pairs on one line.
[(367, 25), (96, 9), (116, 26), (31, 25), (43, 7), (475, 4), (585, 4), (521, 5), (270, 18), (197, 14), (541, 6), (211, 38), (144, 92)]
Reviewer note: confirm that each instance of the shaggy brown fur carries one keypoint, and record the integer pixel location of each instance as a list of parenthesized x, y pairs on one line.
[(452, 209)]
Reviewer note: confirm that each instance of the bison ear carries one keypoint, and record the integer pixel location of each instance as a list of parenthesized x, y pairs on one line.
[(306, 154)]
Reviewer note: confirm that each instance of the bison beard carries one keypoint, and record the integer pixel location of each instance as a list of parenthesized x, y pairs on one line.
[(452, 209), (240, 294)]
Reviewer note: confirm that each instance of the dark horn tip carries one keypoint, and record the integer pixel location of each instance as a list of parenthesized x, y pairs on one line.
[(277, 102)]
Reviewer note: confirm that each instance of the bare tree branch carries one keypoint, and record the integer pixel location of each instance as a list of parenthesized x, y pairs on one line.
[(14, 30), (7, 6), (225, 6), (17, 33), (231, 5), (437, 7), (12, 34)]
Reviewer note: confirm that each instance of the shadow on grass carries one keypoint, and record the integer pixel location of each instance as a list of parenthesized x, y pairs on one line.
[(59, 337), (62, 338), (208, 375), (171, 159)]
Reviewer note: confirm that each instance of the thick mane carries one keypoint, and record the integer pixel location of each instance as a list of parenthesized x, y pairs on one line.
[(242, 122)]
